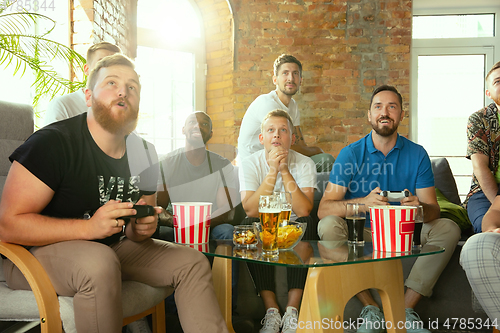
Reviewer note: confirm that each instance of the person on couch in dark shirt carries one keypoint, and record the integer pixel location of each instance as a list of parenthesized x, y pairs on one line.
[(194, 174)]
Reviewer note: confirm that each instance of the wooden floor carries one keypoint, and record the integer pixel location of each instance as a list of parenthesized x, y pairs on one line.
[(240, 326)]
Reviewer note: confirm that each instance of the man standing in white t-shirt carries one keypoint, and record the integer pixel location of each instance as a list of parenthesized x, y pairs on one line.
[(287, 78), (73, 104)]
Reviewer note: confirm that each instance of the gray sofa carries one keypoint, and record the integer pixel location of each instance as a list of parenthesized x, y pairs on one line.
[(452, 296)]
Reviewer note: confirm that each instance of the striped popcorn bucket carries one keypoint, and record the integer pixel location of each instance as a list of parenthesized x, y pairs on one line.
[(192, 222), (200, 247), (392, 228)]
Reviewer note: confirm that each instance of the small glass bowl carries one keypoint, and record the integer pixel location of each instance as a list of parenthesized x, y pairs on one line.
[(248, 253), (244, 236), (289, 233)]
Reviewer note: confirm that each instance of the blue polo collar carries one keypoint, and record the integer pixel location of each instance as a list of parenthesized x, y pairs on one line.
[(371, 148)]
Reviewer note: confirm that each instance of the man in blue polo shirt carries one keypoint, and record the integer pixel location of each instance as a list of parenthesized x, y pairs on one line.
[(385, 161)]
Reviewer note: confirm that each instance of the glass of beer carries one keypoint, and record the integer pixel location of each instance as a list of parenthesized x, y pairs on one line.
[(355, 219), (286, 207), (269, 211)]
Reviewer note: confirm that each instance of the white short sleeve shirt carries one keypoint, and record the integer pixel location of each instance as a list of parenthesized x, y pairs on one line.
[(248, 139)]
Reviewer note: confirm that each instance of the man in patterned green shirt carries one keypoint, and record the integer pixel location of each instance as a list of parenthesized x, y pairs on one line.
[(483, 133)]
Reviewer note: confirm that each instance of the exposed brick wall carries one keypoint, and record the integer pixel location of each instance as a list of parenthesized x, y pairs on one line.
[(218, 25), (111, 23), (103, 20), (346, 47)]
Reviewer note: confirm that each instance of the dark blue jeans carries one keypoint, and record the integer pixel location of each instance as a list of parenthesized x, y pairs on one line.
[(477, 206), (263, 275)]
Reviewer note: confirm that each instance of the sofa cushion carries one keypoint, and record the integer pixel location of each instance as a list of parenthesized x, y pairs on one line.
[(136, 298), (2, 183), (322, 180), (452, 211), (7, 147), (17, 121), (15, 302), (444, 180)]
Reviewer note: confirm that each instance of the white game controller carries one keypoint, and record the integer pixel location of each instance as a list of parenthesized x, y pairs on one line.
[(395, 196)]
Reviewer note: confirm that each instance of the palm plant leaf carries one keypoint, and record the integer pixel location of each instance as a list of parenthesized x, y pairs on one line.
[(5, 4), (21, 22), (24, 50), (37, 53)]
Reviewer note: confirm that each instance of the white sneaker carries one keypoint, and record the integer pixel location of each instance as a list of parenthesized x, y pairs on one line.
[(139, 326), (271, 323), (290, 320), (371, 320), (413, 322)]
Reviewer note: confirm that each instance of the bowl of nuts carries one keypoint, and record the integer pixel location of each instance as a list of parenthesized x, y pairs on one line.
[(244, 236)]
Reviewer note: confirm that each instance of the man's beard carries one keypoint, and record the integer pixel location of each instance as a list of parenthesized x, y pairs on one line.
[(288, 92), (385, 130), (124, 123)]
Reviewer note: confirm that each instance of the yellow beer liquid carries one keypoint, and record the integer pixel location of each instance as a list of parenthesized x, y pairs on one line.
[(284, 216), (269, 221)]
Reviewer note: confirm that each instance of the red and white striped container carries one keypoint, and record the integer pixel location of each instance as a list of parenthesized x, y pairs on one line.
[(392, 228), (192, 222), (200, 247)]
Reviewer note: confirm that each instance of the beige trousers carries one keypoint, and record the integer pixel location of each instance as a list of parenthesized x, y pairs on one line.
[(427, 269), (92, 273)]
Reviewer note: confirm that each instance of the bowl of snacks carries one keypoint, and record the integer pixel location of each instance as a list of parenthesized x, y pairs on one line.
[(243, 252), (289, 233), (244, 236)]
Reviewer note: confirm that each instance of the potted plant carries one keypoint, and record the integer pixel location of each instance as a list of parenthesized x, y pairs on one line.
[(23, 49)]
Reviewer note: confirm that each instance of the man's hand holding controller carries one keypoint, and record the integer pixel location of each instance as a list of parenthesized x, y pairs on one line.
[(395, 196), (145, 220), (110, 218), (374, 198), (406, 198), (142, 211)]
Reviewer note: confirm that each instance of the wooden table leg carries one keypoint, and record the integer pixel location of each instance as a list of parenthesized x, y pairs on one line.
[(222, 277), (328, 289)]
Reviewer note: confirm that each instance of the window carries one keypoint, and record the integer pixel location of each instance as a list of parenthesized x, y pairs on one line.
[(451, 54), (166, 95), (171, 63), (454, 26), (17, 88)]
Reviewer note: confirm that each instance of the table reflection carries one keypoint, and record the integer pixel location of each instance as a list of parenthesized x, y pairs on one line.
[(314, 253)]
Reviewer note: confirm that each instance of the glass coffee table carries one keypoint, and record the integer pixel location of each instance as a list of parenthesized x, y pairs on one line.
[(336, 272)]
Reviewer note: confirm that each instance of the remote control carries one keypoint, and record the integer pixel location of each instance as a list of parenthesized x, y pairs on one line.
[(142, 211), (395, 196)]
